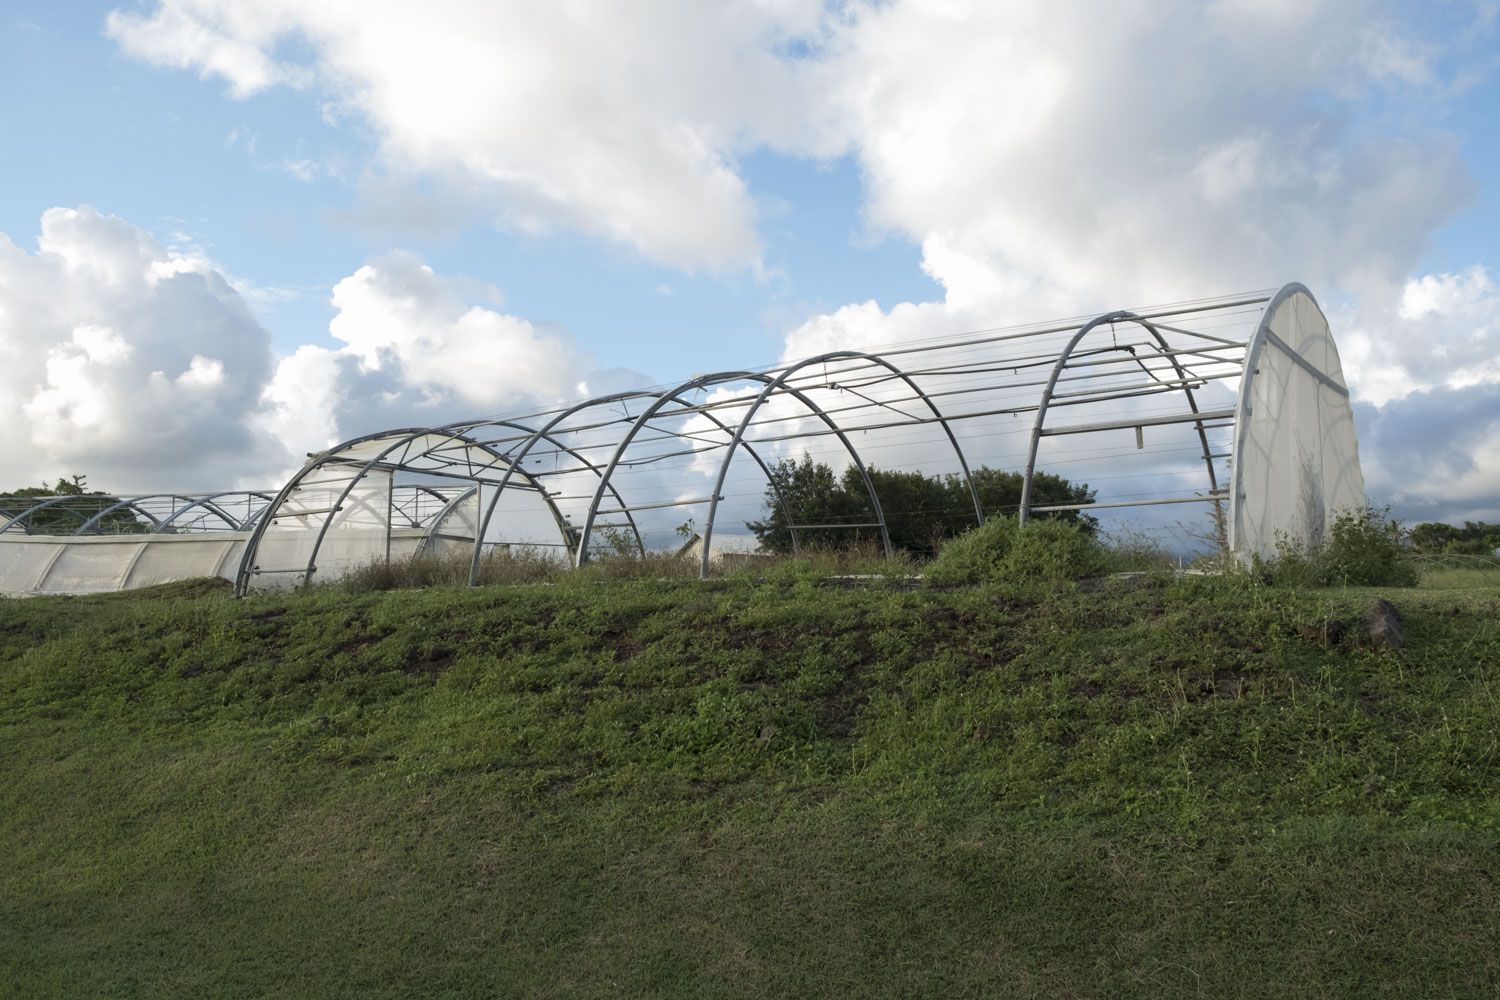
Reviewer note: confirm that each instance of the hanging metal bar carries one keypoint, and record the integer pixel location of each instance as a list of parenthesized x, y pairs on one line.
[(658, 505), (1204, 498), (1111, 425)]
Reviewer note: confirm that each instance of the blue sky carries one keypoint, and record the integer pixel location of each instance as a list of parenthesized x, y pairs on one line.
[(154, 147), (680, 187)]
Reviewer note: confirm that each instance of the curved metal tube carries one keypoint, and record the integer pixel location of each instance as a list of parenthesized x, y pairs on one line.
[(1192, 401), (773, 386), (452, 435), (436, 521), (546, 433), (44, 505), (515, 460), (133, 504), (402, 437), (1057, 368), (703, 381), (252, 544), (207, 502), (162, 525)]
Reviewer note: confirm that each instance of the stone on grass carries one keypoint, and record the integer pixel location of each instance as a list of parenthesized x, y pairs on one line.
[(1383, 623)]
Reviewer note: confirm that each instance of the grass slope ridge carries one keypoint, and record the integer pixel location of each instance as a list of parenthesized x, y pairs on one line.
[(750, 789)]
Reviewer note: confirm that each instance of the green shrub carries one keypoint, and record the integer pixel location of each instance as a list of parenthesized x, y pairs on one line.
[(1051, 551), (1363, 549), (976, 556), (1002, 550)]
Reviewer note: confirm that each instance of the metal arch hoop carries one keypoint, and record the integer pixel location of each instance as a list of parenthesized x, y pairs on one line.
[(541, 433), (703, 381), (132, 503), (44, 505), (207, 503), (264, 518), (403, 437), (779, 382), (515, 464), (546, 433), (1057, 369), (451, 435), (436, 521)]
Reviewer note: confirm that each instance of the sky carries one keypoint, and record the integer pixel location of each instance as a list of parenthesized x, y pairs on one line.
[(231, 234)]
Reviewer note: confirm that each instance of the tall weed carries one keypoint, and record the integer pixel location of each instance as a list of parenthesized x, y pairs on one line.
[(1362, 549)]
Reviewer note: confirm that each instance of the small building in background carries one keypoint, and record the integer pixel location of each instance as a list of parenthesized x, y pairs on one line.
[(726, 552)]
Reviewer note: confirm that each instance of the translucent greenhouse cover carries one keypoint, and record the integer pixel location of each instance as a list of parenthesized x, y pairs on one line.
[(1296, 460)]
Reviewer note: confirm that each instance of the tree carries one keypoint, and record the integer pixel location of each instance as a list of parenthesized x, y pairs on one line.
[(1477, 538), (67, 517), (921, 511), (814, 497)]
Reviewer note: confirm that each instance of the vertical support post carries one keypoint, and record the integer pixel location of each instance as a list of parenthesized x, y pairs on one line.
[(390, 514)]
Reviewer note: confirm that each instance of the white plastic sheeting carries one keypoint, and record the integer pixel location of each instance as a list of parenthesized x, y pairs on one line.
[(342, 517), (93, 564), (456, 525), (53, 564), (1296, 459)]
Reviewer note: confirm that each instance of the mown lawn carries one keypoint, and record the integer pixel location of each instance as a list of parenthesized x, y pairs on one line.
[(740, 789)]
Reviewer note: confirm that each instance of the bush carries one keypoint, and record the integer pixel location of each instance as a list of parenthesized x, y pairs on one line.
[(1363, 549), (976, 556), (1052, 551), (1001, 550)]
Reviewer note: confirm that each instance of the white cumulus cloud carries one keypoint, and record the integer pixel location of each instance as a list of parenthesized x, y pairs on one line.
[(419, 347), (620, 120), (142, 368), (1066, 155), (124, 361)]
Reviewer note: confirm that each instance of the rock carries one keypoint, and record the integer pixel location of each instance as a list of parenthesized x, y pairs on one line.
[(1383, 624)]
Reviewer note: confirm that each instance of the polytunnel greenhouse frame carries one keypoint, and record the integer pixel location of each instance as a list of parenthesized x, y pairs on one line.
[(1291, 463)]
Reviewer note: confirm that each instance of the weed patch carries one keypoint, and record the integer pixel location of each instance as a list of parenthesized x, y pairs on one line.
[(1362, 549)]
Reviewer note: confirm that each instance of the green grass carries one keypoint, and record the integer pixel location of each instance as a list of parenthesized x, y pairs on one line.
[(1457, 572), (605, 788)]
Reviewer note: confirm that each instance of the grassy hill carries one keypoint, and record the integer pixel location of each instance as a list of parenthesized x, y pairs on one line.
[(1148, 788)]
